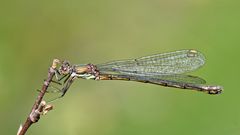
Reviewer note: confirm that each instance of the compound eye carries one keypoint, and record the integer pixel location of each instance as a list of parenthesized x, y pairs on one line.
[(65, 68)]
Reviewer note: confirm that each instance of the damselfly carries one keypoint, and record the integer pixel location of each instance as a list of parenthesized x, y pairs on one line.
[(166, 69)]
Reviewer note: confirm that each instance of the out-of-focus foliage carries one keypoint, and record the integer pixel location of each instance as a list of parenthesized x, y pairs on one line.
[(32, 33)]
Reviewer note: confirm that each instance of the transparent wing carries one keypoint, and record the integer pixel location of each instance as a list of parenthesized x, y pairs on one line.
[(178, 78), (177, 62)]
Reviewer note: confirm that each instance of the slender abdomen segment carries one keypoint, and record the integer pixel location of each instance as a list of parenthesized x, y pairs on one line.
[(197, 87)]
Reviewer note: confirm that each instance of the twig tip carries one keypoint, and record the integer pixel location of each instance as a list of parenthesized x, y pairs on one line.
[(55, 62)]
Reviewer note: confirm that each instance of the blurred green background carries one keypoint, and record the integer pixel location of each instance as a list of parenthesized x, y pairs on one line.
[(33, 33)]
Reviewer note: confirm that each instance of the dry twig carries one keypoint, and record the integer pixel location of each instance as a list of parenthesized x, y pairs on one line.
[(39, 106)]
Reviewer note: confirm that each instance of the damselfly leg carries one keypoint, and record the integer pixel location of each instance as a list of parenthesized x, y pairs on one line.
[(68, 82), (58, 84)]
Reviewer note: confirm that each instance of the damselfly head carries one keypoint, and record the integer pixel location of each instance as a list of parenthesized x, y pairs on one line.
[(65, 68)]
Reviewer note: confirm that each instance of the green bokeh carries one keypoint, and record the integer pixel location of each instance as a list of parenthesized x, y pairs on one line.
[(32, 33)]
